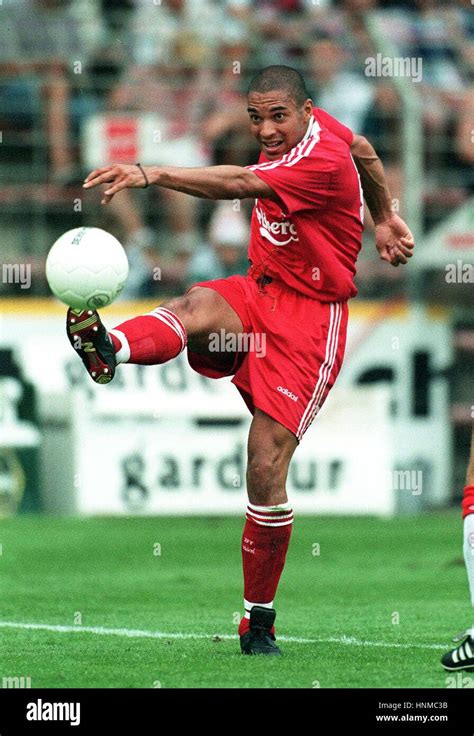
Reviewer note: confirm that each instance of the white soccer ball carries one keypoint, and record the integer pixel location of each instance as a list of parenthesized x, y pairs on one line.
[(86, 268)]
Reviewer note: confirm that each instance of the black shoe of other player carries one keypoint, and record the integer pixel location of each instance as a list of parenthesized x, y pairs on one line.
[(461, 658), (259, 639), (91, 342)]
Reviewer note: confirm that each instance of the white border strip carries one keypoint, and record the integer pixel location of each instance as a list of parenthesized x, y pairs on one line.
[(139, 634)]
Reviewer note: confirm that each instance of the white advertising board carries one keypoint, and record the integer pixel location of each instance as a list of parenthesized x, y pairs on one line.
[(180, 464), (451, 244)]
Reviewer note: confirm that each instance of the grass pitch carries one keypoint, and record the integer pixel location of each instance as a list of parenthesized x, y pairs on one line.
[(377, 600)]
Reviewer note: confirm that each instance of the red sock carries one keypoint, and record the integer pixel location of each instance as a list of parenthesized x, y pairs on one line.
[(468, 501), (149, 339), (265, 542)]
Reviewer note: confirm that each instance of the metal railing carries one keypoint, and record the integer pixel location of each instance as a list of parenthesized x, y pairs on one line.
[(412, 131)]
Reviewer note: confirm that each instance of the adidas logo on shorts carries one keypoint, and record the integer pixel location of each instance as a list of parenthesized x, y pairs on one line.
[(287, 393)]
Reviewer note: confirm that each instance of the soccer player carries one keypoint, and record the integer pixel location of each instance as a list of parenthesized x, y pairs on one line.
[(462, 657), (306, 233)]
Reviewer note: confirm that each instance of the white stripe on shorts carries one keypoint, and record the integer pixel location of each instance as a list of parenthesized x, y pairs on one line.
[(325, 368)]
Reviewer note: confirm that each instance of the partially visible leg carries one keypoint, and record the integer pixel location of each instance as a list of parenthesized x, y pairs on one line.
[(57, 121), (468, 515), (127, 213), (268, 526), (462, 656), (470, 467)]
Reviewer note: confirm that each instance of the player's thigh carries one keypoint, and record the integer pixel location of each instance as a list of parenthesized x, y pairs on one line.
[(204, 311)]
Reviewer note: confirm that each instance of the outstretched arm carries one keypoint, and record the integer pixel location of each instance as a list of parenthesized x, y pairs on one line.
[(210, 182), (393, 238)]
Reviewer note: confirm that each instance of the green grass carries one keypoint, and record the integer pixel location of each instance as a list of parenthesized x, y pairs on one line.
[(103, 572)]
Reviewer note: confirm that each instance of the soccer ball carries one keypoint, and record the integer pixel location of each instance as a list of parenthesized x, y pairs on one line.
[(86, 268)]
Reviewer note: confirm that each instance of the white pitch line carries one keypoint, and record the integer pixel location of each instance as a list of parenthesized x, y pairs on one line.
[(143, 634)]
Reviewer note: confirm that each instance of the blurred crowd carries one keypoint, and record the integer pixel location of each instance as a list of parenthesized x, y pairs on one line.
[(62, 62)]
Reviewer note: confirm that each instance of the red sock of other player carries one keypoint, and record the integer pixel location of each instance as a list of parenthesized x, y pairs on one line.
[(149, 339), (265, 542)]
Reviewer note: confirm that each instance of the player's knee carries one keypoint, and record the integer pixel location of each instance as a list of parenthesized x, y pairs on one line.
[(185, 307), (267, 469), (181, 305)]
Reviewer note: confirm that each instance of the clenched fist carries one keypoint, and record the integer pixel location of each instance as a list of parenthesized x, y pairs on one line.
[(394, 240)]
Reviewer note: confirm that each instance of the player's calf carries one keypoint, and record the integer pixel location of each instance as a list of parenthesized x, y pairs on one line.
[(150, 339)]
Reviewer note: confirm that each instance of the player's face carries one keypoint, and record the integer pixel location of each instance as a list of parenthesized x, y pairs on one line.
[(277, 122)]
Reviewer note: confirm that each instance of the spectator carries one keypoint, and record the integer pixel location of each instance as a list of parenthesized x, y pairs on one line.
[(174, 92), (280, 34), (465, 139), (358, 6), (157, 27), (117, 14), (225, 125), (170, 44), (226, 251), (344, 94), (45, 46)]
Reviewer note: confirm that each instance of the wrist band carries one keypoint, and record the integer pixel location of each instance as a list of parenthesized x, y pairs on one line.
[(147, 183)]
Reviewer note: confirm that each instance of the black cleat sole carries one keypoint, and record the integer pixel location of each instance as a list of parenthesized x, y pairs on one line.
[(90, 341)]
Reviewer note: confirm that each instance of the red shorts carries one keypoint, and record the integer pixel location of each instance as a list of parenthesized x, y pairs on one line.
[(290, 352)]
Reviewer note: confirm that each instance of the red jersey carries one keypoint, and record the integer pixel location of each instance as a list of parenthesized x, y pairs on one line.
[(311, 237)]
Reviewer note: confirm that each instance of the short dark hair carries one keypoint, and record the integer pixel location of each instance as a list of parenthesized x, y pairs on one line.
[(280, 77)]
